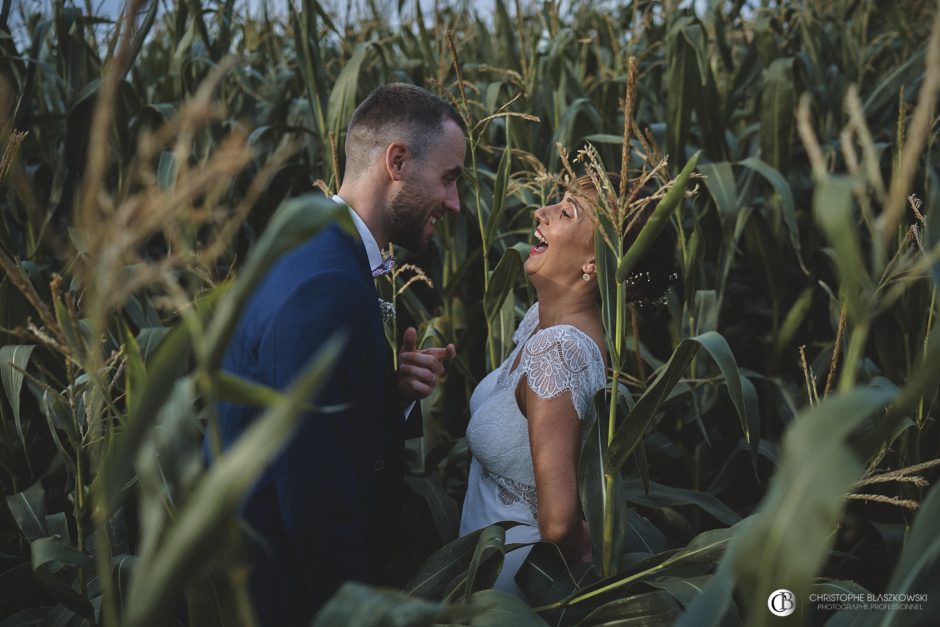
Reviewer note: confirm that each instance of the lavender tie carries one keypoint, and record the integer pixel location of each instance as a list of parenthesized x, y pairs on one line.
[(384, 268)]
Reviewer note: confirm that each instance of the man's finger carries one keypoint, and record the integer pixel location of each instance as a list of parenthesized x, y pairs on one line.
[(410, 340), (421, 358), (411, 373), (441, 353)]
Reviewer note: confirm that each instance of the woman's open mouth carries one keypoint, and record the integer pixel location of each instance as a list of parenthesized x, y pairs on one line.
[(541, 244)]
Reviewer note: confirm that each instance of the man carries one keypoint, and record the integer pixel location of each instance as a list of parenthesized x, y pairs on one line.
[(324, 512)]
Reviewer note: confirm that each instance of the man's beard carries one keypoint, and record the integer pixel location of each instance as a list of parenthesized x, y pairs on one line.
[(408, 213)]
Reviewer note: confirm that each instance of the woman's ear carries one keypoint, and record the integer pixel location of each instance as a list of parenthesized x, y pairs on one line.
[(589, 267), (396, 155)]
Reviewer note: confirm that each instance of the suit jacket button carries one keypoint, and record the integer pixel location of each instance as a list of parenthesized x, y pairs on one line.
[(378, 465)]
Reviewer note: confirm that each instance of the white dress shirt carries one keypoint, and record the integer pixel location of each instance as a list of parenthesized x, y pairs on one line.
[(374, 254)]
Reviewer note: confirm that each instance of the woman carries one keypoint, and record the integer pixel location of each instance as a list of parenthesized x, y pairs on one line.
[(529, 416)]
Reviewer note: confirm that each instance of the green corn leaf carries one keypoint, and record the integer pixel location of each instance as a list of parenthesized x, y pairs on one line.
[(58, 526), (48, 556), (295, 222), (136, 373), (343, 97), (305, 40), (667, 496), (918, 567), (487, 560), (442, 506), (793, 321), (657, 221), (649, 608), (444, 566), (167, 170), (567, 127), (29, 511), (592, 483), (545, 576), (140, 34), (499, 191), (148, 339), (216, 498), (25, 106), (741, 391), (682, 589), (505, 276), (886, 92), (833, 207), (713, 605), (765, 254), (604, 138), (58, 417), (705, 550), (230, 388), (13, 362), (684, 80), (804, 501), (933, 222), (425, 37), (606, 265), (787, 206), (719, 180), (122, 568), (695, 261), (778, 102), (356, 604), (168, 365), (495, 608)]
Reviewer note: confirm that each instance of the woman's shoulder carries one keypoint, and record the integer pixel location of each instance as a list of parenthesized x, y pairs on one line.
[(572, 347), (562, 357)]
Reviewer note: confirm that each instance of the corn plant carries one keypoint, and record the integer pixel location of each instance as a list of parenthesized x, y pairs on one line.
[(144, 162)]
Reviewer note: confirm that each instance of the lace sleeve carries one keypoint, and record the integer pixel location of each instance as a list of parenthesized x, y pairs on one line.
[(560, 359), (529, 321)]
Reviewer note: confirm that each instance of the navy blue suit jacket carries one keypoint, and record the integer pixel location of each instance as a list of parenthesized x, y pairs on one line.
[(325, 510)]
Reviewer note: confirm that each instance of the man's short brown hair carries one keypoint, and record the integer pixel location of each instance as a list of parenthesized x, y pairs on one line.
[(396, 112)]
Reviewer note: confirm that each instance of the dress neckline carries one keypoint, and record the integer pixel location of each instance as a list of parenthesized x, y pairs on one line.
[(511, 360)]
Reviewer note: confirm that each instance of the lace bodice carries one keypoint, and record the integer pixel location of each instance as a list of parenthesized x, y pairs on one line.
[(556, 360)]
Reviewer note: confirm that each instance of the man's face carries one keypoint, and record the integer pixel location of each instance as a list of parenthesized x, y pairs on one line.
[(428, 190)]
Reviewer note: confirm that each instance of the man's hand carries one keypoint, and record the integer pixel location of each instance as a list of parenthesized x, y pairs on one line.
[(420, 370)]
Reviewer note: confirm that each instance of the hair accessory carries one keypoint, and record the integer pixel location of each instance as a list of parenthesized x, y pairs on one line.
[(586, 276), (637, 277)]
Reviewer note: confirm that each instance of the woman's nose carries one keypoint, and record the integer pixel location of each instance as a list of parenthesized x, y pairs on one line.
[(540, 214)]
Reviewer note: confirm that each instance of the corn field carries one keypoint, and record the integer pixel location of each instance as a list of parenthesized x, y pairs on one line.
[(772, 425)]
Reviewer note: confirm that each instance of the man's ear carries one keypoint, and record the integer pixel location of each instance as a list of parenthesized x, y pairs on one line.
[(396, 155)]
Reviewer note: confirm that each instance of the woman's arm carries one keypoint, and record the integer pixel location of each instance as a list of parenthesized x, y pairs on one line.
[(555, 439)]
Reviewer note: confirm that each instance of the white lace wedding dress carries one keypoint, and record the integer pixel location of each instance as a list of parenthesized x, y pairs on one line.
[(556, 360)]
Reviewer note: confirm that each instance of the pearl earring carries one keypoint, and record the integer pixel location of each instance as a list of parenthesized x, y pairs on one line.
[(586, 276)]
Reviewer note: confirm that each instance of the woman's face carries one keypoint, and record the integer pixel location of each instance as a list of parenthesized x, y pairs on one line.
[(564, 240)]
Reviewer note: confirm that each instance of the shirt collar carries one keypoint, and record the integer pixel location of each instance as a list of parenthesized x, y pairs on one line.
[(373, 252)]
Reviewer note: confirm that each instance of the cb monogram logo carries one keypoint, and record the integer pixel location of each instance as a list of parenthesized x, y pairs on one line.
[(781, 602)]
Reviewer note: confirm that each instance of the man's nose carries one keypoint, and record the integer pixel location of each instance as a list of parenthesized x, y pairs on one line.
[(452, 201)]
